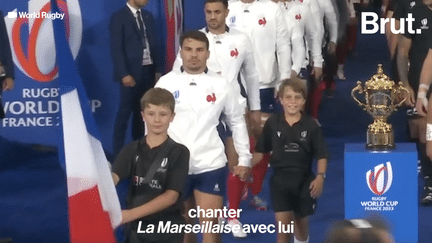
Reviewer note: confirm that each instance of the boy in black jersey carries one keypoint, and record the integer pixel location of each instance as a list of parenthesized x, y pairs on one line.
[(294, 139), (158, 169)]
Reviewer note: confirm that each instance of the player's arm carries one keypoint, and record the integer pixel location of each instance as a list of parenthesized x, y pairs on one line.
[(314, 37), (404, 47), (236, 120), (283, 47), (250, 75), (264, 143), (251, 79), (298, 50), (429, 130), (331, 21), (425, 81)]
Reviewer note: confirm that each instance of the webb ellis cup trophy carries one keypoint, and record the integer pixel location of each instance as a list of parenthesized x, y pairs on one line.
[(381, 95)]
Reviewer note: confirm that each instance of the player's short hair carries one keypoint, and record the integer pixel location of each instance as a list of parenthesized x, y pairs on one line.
[(296, 84), (159, 97), (224, 2), (196, 35)]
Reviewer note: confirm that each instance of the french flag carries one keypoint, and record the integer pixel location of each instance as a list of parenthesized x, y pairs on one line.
[(93, 205)]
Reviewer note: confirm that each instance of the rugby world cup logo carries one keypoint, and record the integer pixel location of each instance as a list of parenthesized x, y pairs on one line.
[(32, 38), (379, 180)]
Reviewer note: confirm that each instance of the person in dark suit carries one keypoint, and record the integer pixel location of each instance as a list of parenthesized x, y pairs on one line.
[(6, 63), (136, 65)]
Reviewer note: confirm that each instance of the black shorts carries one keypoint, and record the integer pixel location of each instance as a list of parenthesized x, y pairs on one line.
[(290, 191)]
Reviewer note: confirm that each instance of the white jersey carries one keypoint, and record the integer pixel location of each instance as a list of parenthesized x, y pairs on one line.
[(200, 100), (230, 54), (298, 13), (324, 9), (264, 23)]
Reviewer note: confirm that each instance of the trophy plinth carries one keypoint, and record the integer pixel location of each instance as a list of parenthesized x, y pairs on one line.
[(380, 94)]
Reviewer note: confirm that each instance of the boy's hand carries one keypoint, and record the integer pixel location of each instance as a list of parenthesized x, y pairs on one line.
[(242, 172), (316, 187), (127, 216)]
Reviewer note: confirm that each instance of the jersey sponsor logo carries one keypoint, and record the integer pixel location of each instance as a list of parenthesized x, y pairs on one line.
[(262, 21), (424, 24), (216, 187), (30, 50), (155, 184), (298, 17), (234, 53), (380, 179), (211, 98), (291, 147)]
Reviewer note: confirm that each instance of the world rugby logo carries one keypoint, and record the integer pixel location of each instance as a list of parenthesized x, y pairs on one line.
[(32, 38), (380, 179)]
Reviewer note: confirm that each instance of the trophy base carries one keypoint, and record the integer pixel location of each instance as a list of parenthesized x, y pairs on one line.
[(380, 141)]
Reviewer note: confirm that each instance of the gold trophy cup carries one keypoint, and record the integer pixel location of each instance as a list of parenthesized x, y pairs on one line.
[(380, 95)]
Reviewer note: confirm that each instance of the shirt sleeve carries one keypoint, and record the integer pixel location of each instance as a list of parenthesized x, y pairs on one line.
[(314, 37), (298, 49), (264, 143), (330, 16), (178, 170), (250, 75), (124, 161), (237, 123), (283, 47)]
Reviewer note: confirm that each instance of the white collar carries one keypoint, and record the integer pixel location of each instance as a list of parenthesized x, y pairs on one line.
[(134, 10)]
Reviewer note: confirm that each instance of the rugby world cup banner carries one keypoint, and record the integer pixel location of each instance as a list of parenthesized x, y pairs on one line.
[(32, 107), (383, 183)]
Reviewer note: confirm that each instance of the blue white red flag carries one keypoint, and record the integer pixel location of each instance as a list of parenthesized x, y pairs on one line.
[(93, 205)]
